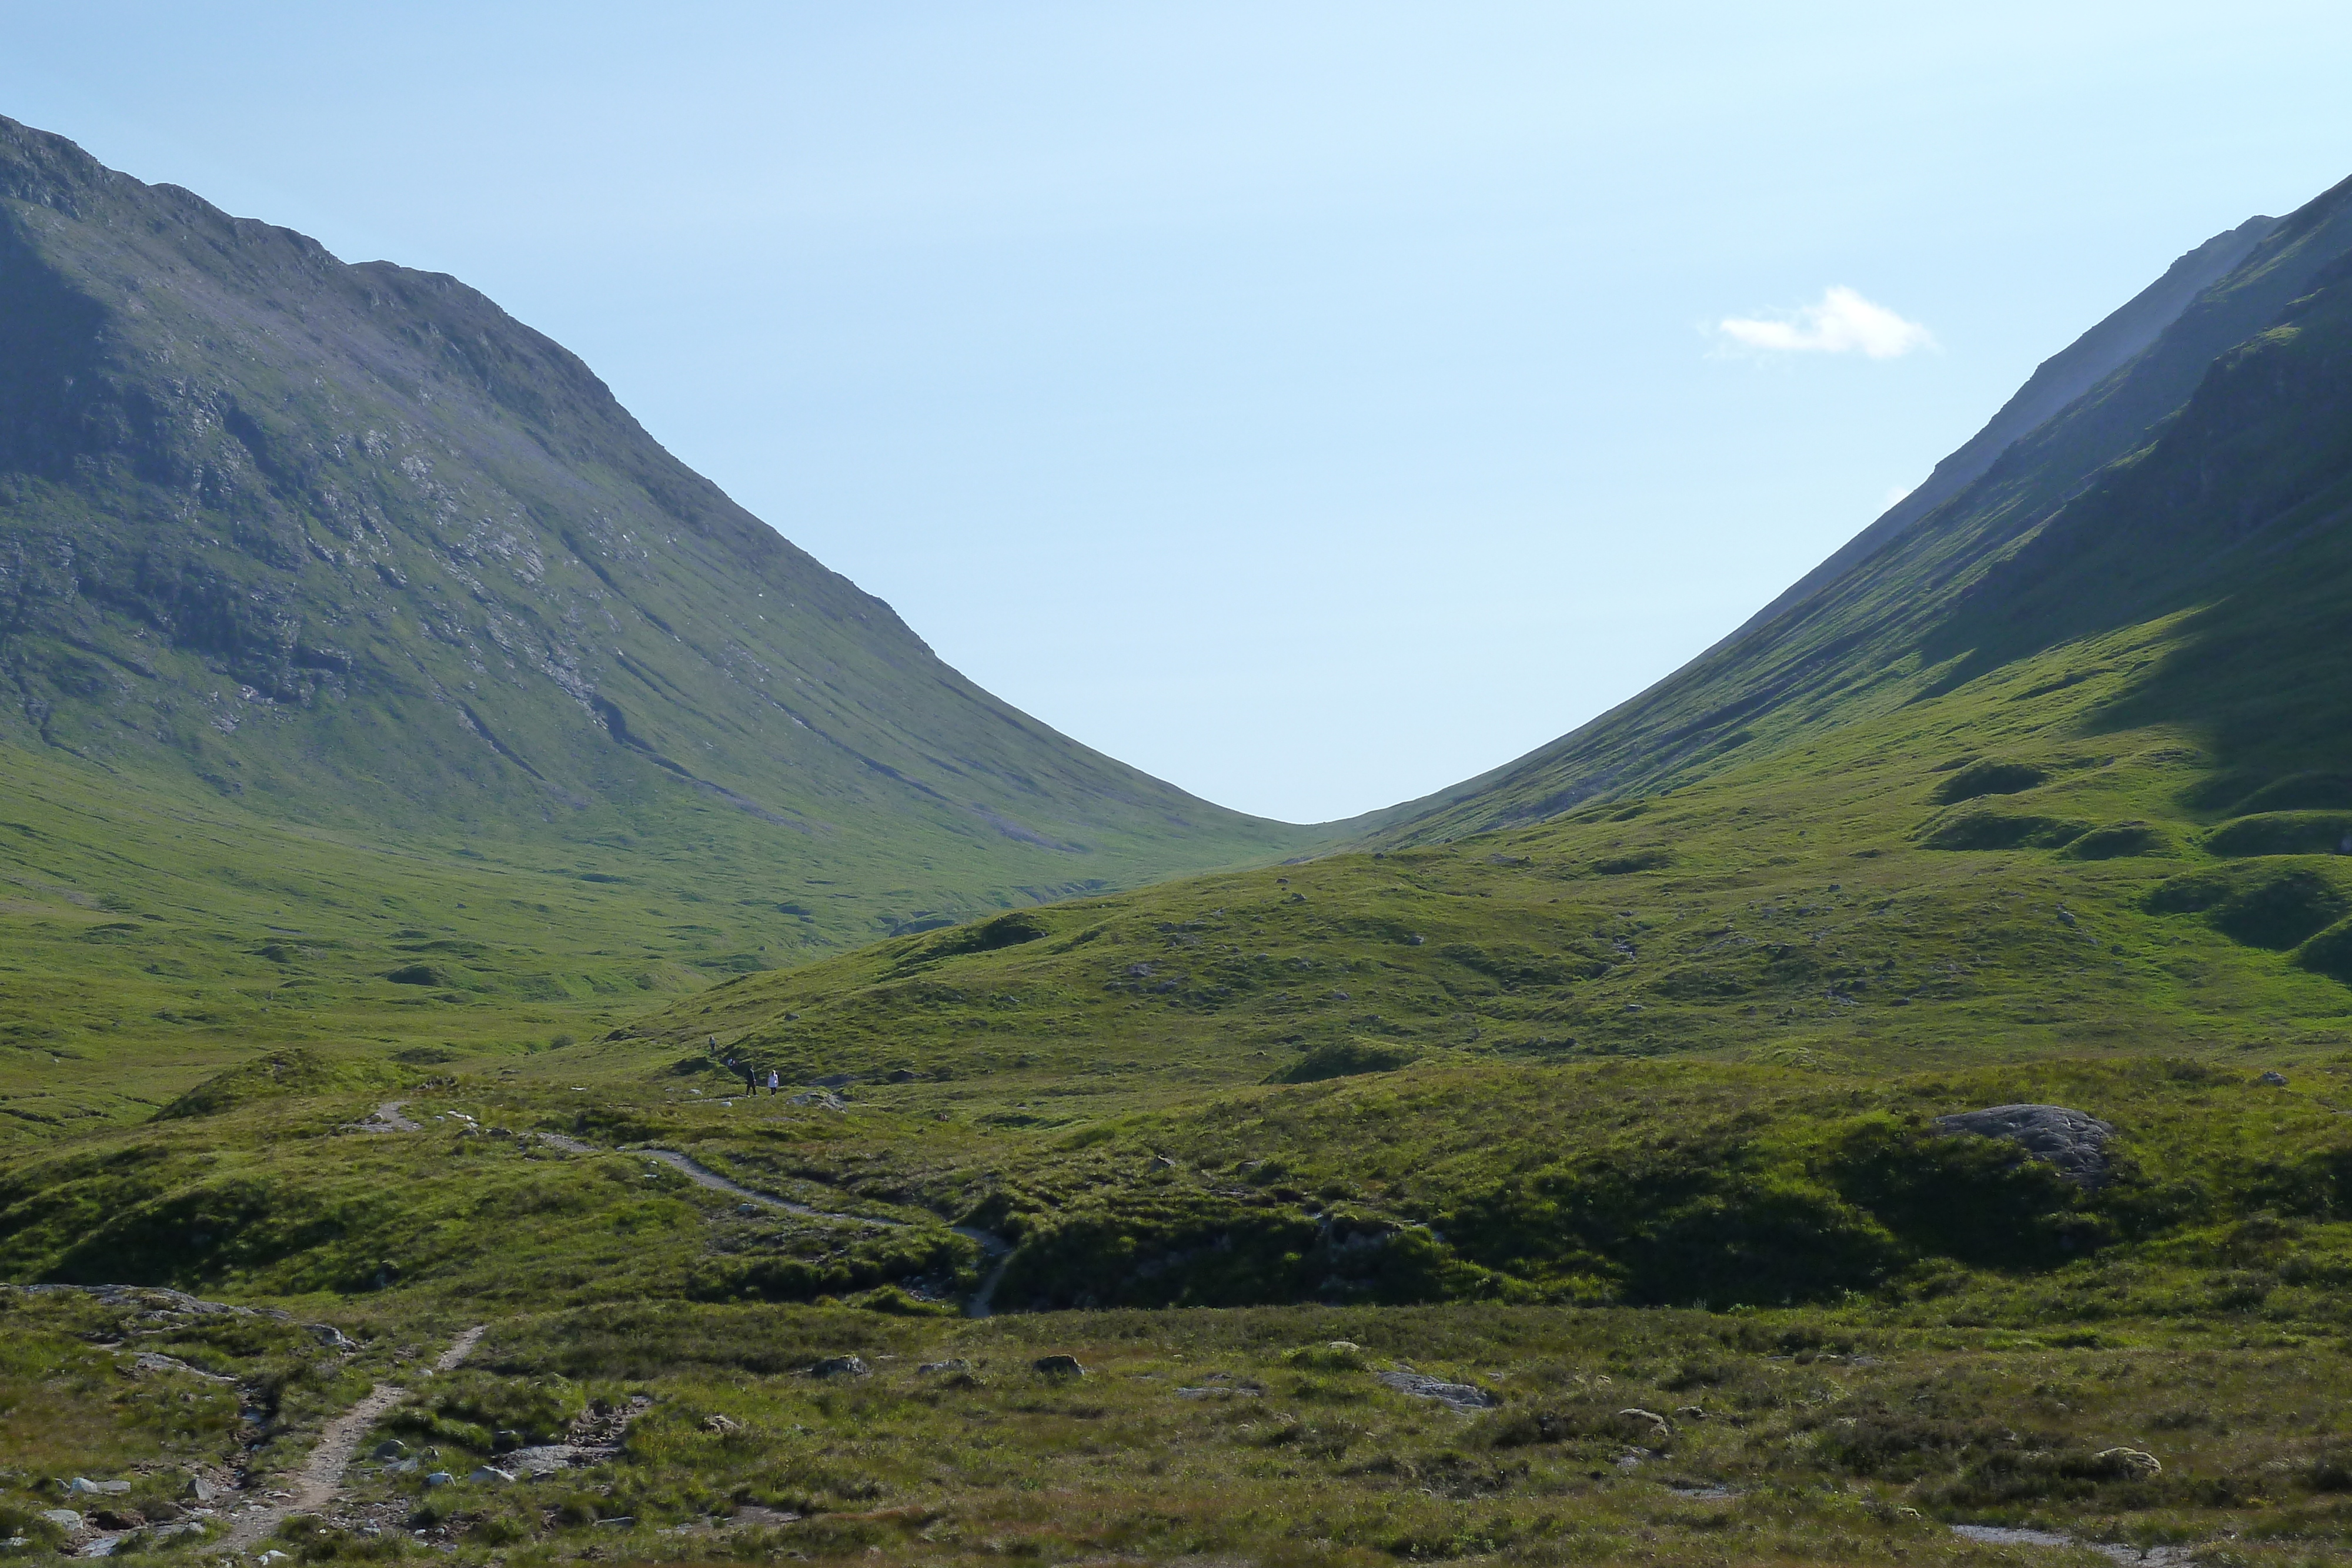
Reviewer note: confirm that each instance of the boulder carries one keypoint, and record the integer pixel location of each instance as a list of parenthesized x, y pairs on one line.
[(2272, 1080), (1057, 1366), (2128, 1464), (1646, 1426), (82, 1486), (439, 1479), (202, 1491), (390, 1448), (65, 1518), (2072, 1141), (839, 1367), (721, 1425), (487, 1473), (1453, 1395), (330, 1335)]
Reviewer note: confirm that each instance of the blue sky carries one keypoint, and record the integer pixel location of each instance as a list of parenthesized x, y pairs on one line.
[(1314, 404)]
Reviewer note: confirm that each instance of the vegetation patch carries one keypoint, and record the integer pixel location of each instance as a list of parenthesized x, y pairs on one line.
[(2284, 833), (1344, 1058), (1987, 776), (1993, 829)]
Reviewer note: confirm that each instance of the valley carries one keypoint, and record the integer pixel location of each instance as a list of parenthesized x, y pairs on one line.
[(1560, 1168)]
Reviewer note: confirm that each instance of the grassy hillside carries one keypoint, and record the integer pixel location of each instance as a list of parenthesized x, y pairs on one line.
[(352, 550), (1629, 1112), (1990, 896), (1980, 570)]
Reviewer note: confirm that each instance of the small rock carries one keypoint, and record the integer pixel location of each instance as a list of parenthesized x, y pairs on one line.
[(1647, 1424), (329, 1336), (203, 1490), (485, 1473), (1344, 1347), (81, 1486), (2134, 1463), (266, 1558), (439, 1479), (65, 1518), (1057, 1366), (1691, 1413), (1162, 1163), (390, 1448), (2274, 1079), (722, 1425), (1453, 1395), (839, 1367), (747, 1208), (405, 1468), (957, 1364)]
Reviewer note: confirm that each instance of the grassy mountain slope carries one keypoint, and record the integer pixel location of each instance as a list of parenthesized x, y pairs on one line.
[(354, 549), (1886, 618)]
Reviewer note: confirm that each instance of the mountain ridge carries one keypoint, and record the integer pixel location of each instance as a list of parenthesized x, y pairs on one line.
[(1863, 618), (352, 543)]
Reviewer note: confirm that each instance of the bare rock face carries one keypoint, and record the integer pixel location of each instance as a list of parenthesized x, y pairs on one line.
[(2073, 1140)]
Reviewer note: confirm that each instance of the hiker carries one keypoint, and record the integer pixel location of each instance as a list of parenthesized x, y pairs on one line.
[(751, 1079), (772, 1082)]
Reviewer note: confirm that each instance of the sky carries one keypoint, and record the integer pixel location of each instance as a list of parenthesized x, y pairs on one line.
[(1313, 404)]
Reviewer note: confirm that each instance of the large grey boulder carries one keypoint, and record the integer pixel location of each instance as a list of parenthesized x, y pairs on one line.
[(2073, 1140)]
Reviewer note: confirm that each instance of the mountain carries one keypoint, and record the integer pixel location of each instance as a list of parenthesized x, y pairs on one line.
[(313, 548), (1974, 567), (2049, 786)]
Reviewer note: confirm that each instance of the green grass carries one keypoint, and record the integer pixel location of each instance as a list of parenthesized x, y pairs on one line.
[(1847, 1435)]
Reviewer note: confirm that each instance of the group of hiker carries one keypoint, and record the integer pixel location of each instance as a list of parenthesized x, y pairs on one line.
[(751, 1073)]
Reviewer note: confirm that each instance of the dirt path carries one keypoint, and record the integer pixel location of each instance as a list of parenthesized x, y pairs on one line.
[(703, 1176), (322, 1473), (982, 1302)]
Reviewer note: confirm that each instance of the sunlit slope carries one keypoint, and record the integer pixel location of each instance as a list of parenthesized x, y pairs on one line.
[(1998, 871), (1674, 1051), (348, 547), (1922, 599)]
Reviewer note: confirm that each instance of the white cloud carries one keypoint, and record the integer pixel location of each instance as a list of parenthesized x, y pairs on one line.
[(1842, 323)]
